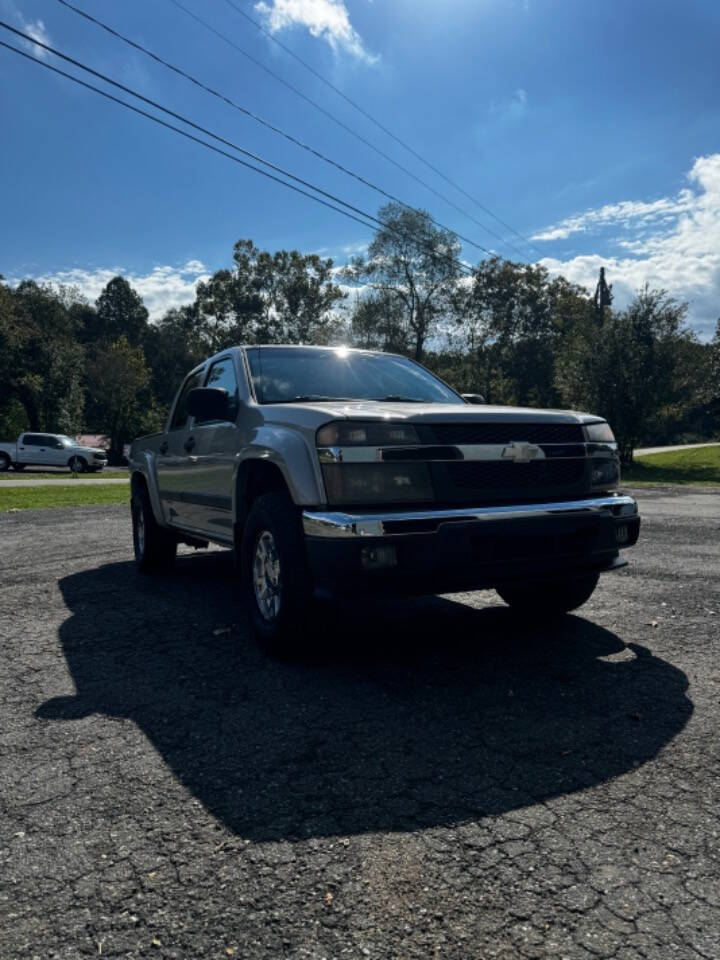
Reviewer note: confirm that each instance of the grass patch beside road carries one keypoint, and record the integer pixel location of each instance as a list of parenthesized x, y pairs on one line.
[(695, 468), (62, 475), (42, 497)]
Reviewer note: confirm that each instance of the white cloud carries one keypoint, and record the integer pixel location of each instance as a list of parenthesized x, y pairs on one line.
[(671, 243), (626, 213), (162, 288), (36, 29), (328, 19)]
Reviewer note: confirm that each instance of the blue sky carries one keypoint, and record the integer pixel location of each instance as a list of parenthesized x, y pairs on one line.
[(595, 131)]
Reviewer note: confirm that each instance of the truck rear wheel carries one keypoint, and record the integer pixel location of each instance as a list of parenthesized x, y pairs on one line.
[(4, 462), (550, 598), (276, 577), (155, 547)]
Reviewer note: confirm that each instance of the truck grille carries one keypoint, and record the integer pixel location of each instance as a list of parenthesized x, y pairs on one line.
[(461, 433), (499, 475)]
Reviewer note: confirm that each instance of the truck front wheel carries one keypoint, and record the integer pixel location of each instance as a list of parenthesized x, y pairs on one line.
[(155, 547), (276, 577), (550, 598)]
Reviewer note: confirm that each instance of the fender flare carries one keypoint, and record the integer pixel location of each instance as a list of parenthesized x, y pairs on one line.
[(280, 447), (144, 467)]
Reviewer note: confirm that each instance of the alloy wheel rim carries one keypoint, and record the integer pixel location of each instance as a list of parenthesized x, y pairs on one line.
[(266, 576)]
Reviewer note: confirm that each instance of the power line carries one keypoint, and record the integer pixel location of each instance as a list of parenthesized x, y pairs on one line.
[(170, 126), (378, 124), (346, 128), (354, 213), (248, 113)]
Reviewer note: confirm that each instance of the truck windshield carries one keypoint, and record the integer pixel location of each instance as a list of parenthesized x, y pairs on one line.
[(296, 374)]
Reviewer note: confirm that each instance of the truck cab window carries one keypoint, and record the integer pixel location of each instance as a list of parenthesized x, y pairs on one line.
[(222, 375), (180, 414)]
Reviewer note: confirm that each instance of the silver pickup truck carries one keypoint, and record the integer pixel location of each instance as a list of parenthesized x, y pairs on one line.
[(330, 470)]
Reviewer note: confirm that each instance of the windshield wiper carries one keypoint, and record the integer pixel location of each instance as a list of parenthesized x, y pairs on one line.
[(308, 398), (399, 398)]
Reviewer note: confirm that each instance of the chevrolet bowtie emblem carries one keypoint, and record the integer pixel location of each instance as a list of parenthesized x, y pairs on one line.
[(522, 452)]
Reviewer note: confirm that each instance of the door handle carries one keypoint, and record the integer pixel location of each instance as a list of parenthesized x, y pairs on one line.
[(189, 443), (164, 447)]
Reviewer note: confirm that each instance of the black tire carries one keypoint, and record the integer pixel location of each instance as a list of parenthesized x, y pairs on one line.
[(19, 467), (154, 546), (551, 598), (4, 462), (77, 464), (281, 625)]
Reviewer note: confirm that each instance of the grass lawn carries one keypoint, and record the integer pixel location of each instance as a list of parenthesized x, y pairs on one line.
[(695, 468), (113, 474), (33, 498)]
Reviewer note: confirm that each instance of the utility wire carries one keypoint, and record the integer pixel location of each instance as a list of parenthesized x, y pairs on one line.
[(355, 214), (260, 120), (170, 126), (346, 128), (378, 124)]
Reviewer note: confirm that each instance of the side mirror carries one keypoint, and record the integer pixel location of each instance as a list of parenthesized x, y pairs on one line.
[(208, 403), (473, 397)]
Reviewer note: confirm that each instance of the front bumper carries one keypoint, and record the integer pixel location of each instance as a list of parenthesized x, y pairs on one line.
[(445, 550)]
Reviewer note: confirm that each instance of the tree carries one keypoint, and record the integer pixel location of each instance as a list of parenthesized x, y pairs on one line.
[(299, 298), (631, 370), (173, 346), (285, 297), (512, 322), (376, 323), (41, 362), (120, 403), (120, 312), (412, 269)]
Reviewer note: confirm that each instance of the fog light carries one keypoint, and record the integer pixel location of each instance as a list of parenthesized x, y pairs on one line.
[(606, 472), (621, 533), (378, 558)]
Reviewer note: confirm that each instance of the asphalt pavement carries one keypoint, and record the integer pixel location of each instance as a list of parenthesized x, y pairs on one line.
[(434, 779)]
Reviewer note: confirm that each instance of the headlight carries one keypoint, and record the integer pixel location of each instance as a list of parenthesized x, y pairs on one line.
[(599, 432), (377, 482), (348, 433)]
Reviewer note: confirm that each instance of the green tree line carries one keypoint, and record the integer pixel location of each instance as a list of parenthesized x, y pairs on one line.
[(508, 331)]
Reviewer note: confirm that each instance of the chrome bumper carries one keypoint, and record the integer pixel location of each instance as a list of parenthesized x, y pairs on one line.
[(393, 523)]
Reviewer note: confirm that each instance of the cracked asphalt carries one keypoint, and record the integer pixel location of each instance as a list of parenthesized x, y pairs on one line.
[(435, 781)]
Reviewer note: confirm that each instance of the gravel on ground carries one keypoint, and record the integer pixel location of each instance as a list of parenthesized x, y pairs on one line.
[(433, 780)]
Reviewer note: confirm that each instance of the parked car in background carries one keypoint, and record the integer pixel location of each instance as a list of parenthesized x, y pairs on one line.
[(334, 470), (51, 450)]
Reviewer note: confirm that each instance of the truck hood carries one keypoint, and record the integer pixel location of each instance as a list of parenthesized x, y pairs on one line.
[(321, 412)]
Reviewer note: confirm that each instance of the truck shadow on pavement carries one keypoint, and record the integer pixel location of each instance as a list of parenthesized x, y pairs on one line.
[(422, 713)]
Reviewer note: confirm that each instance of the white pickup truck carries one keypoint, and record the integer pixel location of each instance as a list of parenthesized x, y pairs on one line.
[(50, 450), (330, 470)]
